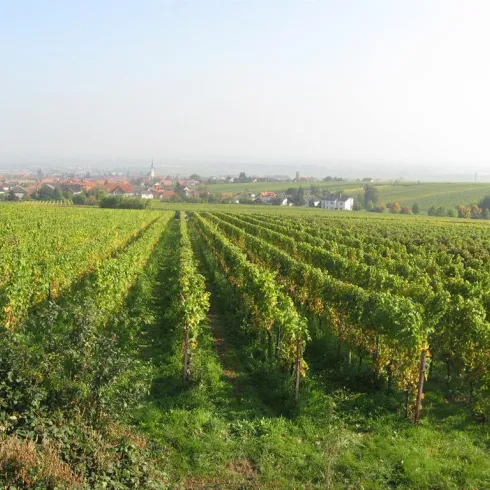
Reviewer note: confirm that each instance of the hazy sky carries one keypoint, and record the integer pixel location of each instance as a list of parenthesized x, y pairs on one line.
[(262, 80)]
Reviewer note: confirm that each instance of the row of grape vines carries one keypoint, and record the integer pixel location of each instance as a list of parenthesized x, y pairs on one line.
[(191, 306), (269, 310), (70, 367), (45, 250), (388, 306)]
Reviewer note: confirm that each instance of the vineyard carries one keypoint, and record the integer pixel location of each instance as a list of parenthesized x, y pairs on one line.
[(214, 348)]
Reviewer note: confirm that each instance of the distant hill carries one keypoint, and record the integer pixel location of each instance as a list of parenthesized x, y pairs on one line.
[(426, 194)]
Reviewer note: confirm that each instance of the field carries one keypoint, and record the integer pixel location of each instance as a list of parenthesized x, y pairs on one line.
[(243, 347), (426, 194)]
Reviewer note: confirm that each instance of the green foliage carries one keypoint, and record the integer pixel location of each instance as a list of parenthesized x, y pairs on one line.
[(394, 207), (121, 202), (191, 305), (69, 377), (79, 199), (485, 202), (371, 194), (463, 211), (47, 249)]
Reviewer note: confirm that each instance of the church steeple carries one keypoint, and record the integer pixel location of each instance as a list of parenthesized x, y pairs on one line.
[(152, 170)]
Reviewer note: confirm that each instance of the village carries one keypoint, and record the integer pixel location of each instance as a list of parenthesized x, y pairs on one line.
[(87, 190)]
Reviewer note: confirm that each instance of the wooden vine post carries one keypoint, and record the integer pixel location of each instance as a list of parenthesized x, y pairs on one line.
[(298, 367), (420, 389)]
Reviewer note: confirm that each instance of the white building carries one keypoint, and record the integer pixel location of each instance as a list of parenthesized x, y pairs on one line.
[(337, 201)]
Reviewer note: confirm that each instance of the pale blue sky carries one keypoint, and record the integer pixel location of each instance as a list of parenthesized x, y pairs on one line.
[(261, 80)]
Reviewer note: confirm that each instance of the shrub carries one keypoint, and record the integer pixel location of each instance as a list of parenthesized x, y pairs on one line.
[(395, 207), (120, 202)]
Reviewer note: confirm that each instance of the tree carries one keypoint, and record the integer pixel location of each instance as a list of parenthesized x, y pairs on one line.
[(431, 211), (486, 213), (358, 203), (395, 207), (475, 211), (68, 194), (485, 203), (415, 208), (463, 211), (380, 208), (12, 196), (440, 211), (195, 177), (91, 201), (300, 197), (179, 191), (57, 195), (243, 178), (315, 190), (371, 193), (452, 213), (406, 210), (79, 199)]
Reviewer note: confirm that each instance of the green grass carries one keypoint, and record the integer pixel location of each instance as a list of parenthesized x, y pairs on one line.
[(279, 186)]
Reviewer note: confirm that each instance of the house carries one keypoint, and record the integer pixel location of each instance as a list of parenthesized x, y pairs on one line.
[(164, 195), (166, 183), (125, 190), (19, 192), (143, 193), (265, 197), (227, 196), (73, 188), (243, 197), (4, 186), (337, 201), (368, 179), (189, 182), (313, 201)]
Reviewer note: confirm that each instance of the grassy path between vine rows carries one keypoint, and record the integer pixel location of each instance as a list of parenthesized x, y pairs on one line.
[(234, 426)]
